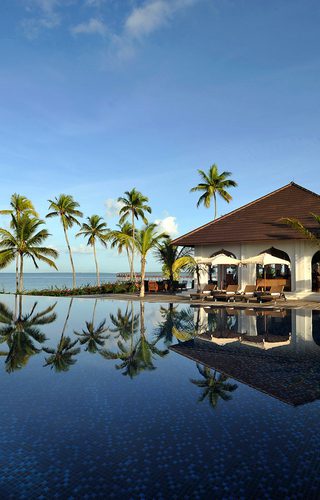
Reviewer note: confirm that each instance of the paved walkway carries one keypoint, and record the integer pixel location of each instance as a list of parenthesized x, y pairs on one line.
[(184, 299)]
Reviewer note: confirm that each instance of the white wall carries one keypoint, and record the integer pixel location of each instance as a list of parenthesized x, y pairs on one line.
[(300, 253)]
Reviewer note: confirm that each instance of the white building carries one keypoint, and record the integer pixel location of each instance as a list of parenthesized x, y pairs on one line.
[(258, 227)]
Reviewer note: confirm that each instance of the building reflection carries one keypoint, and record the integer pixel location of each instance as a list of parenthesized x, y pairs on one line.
[(276, 351)]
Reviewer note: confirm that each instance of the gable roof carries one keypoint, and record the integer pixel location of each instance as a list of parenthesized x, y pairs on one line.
[(260, 220)]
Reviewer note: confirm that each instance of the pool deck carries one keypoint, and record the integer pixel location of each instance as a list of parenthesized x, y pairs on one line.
[(185, 299)]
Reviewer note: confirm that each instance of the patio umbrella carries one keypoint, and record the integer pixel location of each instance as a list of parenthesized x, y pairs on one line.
[(265, 259), (220, 259)]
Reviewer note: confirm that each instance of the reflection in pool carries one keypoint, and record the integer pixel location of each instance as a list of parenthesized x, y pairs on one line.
[(136, 400)]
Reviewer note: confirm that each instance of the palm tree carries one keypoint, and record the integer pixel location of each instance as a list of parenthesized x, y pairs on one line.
[(62, 357), (96, 231), (19, 205), (134, 207), (212, 184), (172, 258), (147, 239), (298, 226), (122, 239), (25, 240), (20, 331), (214, 385), (65, 207)]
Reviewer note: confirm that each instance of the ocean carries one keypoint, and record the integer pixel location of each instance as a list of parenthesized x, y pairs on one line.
[(39, 281)]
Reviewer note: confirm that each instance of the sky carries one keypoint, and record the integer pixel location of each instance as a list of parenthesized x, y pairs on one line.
[(100, 96)]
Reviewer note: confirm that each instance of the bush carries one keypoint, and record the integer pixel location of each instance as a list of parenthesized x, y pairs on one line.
[(104, 288)]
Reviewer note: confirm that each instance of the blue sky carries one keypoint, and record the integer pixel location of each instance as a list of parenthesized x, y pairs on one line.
[(99, 96)]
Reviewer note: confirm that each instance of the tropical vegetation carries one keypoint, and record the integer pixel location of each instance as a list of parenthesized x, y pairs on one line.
[(95, 230), (214, 184), (67, 209)]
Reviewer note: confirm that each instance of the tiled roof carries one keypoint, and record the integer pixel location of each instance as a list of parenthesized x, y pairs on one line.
[(260, 220)]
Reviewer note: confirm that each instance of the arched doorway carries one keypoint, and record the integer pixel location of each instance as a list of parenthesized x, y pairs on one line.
[(315, 269), (223, 275), (275, 274)]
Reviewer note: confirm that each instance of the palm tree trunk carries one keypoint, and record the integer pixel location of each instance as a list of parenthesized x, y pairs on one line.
[(17, 273), (94, 311), (71, 259), (143, 272), (215, 205), (96, 262), (66, 321), (142, 328), (21, 275), (132, 256)]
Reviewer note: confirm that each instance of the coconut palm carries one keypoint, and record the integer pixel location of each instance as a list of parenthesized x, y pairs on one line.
[(214, 385), (95, 230), (65, 207), (172, 258), (62, 357), (19, 205), (147, 239), (298, 226), (134, 206), (21, 331), (122, 240), (25, 241), (213, 184)]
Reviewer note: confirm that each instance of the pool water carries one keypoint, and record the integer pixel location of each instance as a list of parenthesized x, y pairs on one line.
[(106, 399)]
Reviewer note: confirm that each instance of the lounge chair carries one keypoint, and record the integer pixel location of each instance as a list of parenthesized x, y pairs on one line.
[(206, 292), (275, 293), (230, 294), (248, 293)]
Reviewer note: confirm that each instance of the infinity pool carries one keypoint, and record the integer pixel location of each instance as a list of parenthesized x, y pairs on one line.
[(106, 399)]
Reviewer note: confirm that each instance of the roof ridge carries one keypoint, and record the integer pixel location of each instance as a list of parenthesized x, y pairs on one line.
[(213, 222)]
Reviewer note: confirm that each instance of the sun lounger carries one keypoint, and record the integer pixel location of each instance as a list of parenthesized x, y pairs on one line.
[(206, 292), (248, 293), (229, 295), (275, 293)]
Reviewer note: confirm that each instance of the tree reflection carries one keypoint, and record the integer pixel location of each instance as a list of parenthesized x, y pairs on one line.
[(21, 331), (125, 324), (91, 336), (214, 385), (62, 357), (174, 319), (138, 354)]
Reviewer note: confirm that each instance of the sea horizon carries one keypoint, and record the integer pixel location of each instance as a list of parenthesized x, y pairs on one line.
[(42, 280)]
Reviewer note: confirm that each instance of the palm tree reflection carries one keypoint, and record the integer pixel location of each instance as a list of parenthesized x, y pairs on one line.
[(174, 319), (138, 354), (126, 325), (20, 332), (93, 337), (62, 357), (214, 385)]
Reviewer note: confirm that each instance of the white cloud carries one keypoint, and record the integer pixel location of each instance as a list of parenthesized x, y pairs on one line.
[(146, 19), (168, 225), (112, 207), (47, 17), (152, 15), (81, 249), (32, 27), (143, 21), (92, 27)]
